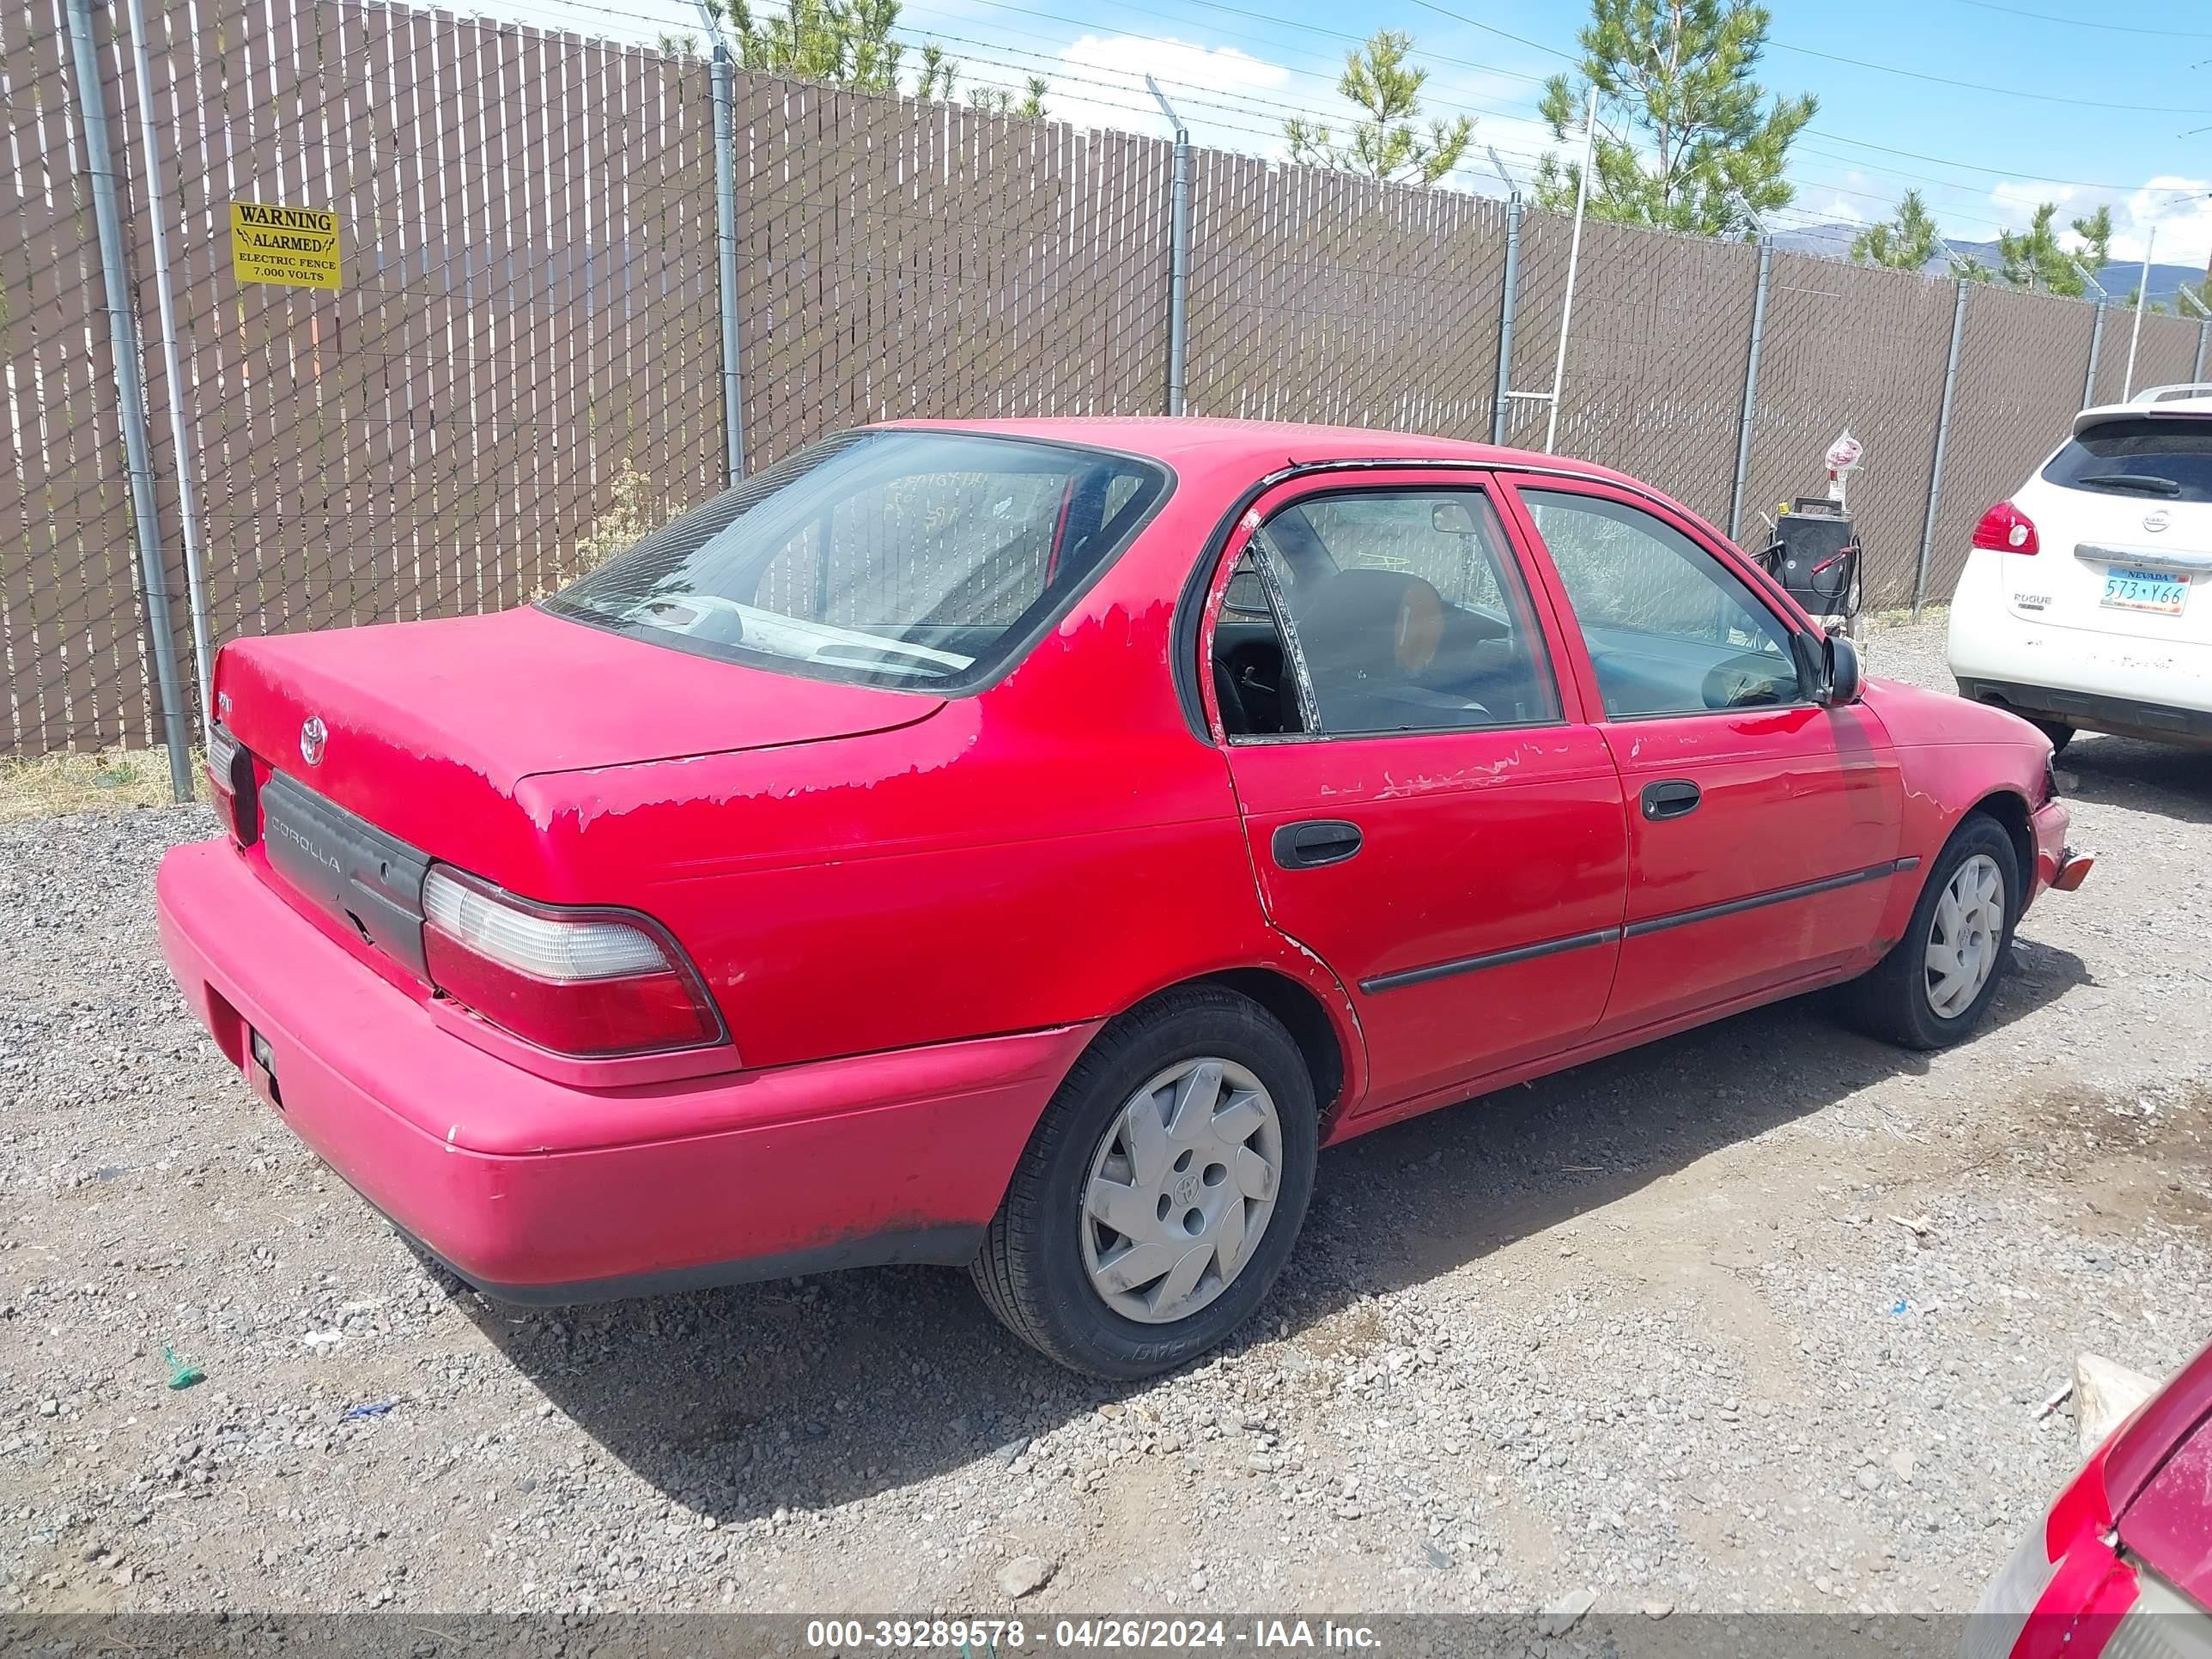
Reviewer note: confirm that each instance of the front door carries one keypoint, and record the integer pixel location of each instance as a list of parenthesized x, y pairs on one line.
[(1427, 811), (1763, 827)]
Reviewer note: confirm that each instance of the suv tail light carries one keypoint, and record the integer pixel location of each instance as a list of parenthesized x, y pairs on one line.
[(230, 787), (2005, 529), (585, 982)]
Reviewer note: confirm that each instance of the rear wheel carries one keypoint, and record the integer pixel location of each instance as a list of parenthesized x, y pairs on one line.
[(1162, 1191), (2058, 732), (1936, 984)]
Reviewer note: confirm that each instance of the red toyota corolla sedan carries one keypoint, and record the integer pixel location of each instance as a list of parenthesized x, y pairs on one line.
[(1024, 844)]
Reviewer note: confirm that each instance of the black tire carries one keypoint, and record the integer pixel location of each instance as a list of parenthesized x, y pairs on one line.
[(2058, 732), (1891, 1000), (1031, 1272)]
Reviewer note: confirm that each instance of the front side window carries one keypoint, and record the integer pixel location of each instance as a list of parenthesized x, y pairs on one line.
[(1404, 607), (1671, 630), (909, 558)]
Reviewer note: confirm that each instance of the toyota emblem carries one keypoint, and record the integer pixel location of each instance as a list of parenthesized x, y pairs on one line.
[(2157, 520), (313, 737)]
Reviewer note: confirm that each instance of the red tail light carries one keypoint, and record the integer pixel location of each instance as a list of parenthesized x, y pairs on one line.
[(2005, 529), (230, 787), (581, 981)]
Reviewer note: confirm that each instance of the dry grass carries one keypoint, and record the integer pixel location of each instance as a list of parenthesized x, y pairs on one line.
[(107, 780)]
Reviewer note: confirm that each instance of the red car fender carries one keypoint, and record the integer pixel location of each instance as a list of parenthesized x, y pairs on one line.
[(1955, 757)]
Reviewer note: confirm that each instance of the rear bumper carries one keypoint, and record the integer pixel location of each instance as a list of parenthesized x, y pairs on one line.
[(2158, 721), (2141, 686), (539, 1191)]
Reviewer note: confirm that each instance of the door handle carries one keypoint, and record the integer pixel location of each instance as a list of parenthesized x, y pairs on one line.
[(1673, 799), (1318, 842)]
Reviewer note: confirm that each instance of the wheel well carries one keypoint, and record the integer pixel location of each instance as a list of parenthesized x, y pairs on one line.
[(1303, 1016), (2010, 810)]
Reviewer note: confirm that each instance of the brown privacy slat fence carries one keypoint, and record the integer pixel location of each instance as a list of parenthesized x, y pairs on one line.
[(523, 363)]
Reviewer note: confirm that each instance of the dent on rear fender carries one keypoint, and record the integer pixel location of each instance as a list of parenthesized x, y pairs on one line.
[(1351, 1034)]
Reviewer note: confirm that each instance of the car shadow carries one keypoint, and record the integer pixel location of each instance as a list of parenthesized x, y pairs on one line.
[(801, 1395), (2144, 777)]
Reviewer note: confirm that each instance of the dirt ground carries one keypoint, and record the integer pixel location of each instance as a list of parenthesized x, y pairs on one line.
[(1760, 1317)]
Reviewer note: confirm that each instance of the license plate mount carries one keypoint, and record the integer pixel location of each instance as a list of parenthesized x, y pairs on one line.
[(2130, 588)]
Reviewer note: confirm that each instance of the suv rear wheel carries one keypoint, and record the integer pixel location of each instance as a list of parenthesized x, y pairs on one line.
[(1161, 1192)]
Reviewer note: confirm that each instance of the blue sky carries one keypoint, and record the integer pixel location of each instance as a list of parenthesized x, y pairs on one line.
[(1982, 158)]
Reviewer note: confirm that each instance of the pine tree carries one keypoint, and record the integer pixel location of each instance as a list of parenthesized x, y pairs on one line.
[(2033, 258), (844, 43), (1692, 144), (999, 100), (1386, 145), (1907, 242)]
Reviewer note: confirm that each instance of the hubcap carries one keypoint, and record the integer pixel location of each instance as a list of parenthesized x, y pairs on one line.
[(1181, 1189), (1964, 939)]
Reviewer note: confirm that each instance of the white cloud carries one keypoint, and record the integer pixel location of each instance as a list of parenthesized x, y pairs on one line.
[(2179, 208), (1099, 81), (2016, 200), (1839, 211)]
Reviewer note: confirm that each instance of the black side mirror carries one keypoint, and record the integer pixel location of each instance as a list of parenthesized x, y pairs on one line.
[(1845, 679), (1812, 670)]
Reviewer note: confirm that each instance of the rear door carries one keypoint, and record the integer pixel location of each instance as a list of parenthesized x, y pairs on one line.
[(2123, 523), (1763, 829), (1426, 809)]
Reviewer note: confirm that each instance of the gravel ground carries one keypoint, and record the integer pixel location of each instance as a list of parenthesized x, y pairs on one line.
[(1655, 1329)]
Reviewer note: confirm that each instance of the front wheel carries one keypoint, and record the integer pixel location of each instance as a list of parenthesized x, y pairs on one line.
[(1937, 983), (1161, 1192)]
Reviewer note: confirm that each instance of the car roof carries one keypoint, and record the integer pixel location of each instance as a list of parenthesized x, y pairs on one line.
[(2192, 400), (1266, 446)]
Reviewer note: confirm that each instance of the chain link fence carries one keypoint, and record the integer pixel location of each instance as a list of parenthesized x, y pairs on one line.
[(521, 365)]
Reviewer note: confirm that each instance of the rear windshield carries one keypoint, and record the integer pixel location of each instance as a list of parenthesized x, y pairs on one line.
[(2159, 457), (903, 558)]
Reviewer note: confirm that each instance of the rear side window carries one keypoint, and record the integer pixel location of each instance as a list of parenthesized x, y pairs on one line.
[(883, 558), (2166, 457)]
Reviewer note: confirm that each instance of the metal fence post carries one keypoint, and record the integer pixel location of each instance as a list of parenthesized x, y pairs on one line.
[(1750, 388), (726, 215), (1178, 256), (1504, 404), (180, 428), (129, 393), (2096, 345), (2204, 339), (1942, 436)]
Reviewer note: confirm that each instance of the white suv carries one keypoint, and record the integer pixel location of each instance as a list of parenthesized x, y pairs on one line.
[(2078, 605)]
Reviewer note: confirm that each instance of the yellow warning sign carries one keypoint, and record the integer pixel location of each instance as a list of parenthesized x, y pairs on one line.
[(298, 246)]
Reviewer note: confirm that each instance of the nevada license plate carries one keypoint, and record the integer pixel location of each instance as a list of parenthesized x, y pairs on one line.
[(2145, 590)]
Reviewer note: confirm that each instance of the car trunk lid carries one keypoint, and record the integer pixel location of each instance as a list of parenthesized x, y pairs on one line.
[(422, 731)]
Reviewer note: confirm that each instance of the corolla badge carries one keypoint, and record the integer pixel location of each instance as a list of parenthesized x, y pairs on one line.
[(312, 736), (2157, 520)]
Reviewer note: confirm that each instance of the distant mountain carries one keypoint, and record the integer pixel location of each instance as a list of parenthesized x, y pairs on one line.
[(1833, 242)]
